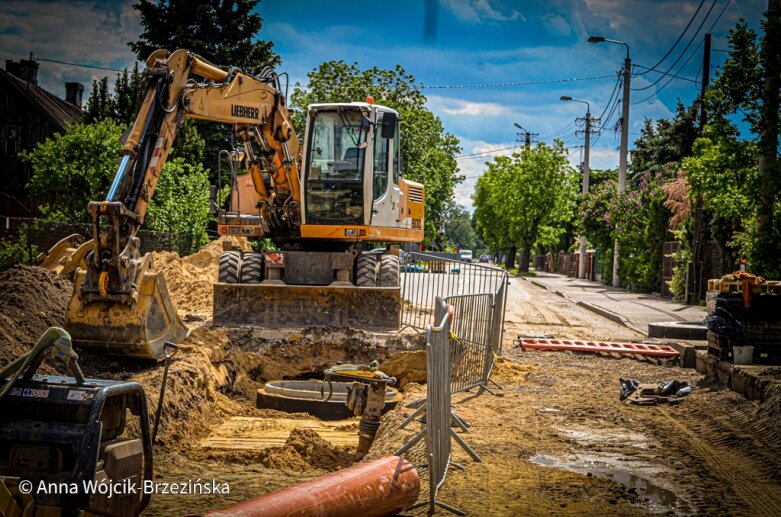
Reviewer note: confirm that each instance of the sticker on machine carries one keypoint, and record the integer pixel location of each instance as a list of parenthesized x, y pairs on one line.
[(27, 392), (80, 395)]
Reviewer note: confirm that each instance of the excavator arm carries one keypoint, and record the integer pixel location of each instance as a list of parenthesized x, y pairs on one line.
[(117, 291)]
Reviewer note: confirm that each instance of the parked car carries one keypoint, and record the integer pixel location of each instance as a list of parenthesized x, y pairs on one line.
[(465, 255), (485, 258)]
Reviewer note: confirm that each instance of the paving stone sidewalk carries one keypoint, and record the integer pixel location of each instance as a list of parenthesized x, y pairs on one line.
[(635, 310)]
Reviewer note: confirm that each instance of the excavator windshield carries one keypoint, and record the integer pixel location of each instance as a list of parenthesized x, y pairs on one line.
[(335, 166)]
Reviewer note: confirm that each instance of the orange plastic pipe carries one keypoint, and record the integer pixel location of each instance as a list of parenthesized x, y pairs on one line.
[(381, 487)]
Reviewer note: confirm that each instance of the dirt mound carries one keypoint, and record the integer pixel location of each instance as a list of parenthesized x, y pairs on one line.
[(406, 367), (317, 452), (190, 279), (32, 299)]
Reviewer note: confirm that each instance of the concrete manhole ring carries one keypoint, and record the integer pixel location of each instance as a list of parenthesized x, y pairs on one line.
[(305, 397)]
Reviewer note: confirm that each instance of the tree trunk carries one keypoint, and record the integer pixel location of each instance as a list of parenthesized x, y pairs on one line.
[(509, 262), (523, 266)]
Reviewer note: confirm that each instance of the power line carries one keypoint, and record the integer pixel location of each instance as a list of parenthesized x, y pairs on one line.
[(673, 75), (723, 9), (77, 64), (524, 83), (691, 40), (485, 152), (659, 90), (653, 68)]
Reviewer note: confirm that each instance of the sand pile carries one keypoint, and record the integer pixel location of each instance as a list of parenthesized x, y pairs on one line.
[(32, 299), (190, 279)]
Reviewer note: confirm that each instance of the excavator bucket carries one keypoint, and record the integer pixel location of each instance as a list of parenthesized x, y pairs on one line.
[(136, 330), (64, 257)]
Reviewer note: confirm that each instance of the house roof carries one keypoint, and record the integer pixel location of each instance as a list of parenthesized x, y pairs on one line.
[(59, 112)]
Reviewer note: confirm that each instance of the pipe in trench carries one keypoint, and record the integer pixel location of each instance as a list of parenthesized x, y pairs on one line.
[(384, 486)]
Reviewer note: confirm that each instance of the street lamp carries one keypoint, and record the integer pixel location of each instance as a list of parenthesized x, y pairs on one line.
[(624, 142), (566, 98), (527, 135)]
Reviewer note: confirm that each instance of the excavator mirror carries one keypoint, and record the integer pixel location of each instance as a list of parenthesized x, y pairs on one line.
[(388, 124)]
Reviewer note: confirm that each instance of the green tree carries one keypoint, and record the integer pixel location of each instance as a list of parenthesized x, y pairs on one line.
[(459, 231), (748, 86), (428, 151), (75, 167), (79, 165), (531, 195), (100, 104), (181, 202), (224, 32), (129, 91)]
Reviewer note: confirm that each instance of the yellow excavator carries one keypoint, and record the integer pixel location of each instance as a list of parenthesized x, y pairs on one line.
[(319, 203)]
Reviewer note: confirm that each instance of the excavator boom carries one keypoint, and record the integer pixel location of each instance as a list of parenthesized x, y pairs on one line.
[(318, 205)]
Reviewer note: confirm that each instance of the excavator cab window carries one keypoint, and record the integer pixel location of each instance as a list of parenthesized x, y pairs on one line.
[(382, 149), (335, 166)]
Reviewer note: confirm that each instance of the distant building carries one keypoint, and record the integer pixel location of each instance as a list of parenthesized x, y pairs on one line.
[(28, 115)]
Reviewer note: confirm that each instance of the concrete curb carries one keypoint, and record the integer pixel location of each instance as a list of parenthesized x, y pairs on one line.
[(687, 352), (605, 313)]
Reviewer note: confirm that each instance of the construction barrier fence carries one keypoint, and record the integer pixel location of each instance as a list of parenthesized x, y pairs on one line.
[(424, 277)]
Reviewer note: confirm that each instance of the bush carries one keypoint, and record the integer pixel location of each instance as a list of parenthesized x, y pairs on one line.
[(13, 253)]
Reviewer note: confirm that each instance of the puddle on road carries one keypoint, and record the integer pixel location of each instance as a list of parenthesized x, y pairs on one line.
[(637, 440), (625, 470)]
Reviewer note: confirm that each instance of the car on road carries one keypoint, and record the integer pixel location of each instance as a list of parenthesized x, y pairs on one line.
[(465, 255), (485, 258)]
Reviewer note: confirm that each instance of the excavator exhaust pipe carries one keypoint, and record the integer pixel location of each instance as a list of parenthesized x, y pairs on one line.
[(139, 329)]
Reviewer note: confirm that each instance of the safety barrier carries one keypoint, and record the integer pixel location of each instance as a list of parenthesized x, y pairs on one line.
[(436, 429), (424, 277)]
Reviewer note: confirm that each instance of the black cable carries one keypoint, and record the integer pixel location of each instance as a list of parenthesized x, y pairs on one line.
[(691, 40), (76, 64), (658, 90), (523, 83), (653, 68), (673, 75), (485, 152)]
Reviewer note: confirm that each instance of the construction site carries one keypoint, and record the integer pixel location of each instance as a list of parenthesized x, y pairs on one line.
[(552, 435), (222, 298)]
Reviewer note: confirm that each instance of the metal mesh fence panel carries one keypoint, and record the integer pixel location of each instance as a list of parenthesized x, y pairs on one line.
[(42, 234), (424, 277)]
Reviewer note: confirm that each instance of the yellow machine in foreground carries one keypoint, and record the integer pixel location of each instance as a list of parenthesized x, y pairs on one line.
[(318, 207)]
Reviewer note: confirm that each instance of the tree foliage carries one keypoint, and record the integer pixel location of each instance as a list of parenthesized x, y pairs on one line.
[(181, 202), (75, 167), (79, 165), (747, 87), (525, 199), (222, 31), (122, 104), (428, 151)]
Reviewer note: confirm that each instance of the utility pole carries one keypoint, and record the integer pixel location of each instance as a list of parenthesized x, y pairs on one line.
[(527, 136), (622, 159), (585, 165), (583, 246), (696, 267), (705, 81)]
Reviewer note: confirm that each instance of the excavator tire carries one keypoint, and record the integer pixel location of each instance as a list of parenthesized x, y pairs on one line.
[(366, 271), (252, 268), (229, 267), (389, 271)]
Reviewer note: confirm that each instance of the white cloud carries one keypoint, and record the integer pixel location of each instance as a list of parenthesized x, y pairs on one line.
[(480, 11), (557, 23), (89, 32), (466, 108)]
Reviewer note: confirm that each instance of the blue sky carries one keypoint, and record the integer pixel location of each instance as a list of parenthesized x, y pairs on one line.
[(441, 43)]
